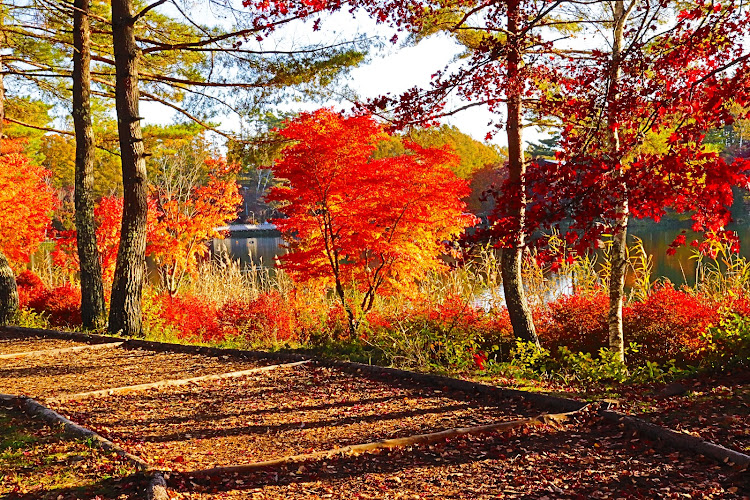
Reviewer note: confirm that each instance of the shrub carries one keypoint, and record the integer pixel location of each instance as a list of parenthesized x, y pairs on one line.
[(728, 343), (26, 318), (669, 324), (191, 316), (336, 324), (62, 305), (737, 303), (30, 286), (578, 322), (155, 325), (528, 358), (587, 368), (497, 337), (266, 319)]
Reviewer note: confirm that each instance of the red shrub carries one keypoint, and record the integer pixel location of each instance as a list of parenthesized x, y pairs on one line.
[(497, 333), (62, 305), (578, 322), (30, 286), (191, 316), (268, 318), (668, 324), (377, 322), (337, 323), (454, 314), (738, 305)]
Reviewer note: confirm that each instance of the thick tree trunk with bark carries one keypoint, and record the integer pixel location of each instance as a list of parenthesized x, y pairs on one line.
[(93, 309), (8, 290), (125, 305), (619, 239), (512, 256)]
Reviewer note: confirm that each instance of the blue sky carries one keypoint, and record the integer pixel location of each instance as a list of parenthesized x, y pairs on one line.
[(394, 69)]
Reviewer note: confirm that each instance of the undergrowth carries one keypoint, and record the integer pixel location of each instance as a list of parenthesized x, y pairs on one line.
[(455, 322)]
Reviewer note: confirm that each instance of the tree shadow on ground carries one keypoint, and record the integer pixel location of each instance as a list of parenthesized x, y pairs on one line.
[(253, 429), (578, 462)]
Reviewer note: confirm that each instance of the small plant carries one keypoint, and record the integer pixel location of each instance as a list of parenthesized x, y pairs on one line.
[(720, 269), (729, 342), (642, 266), (529, 358), (606, 367), (27, 318)]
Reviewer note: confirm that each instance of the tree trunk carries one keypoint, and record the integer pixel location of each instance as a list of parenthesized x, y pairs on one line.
[(512, 255), (620, 230), (93, 309), (8, 289), (125, 305)]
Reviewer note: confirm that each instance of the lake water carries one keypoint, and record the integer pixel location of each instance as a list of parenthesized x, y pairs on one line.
[(260, 251), (679, 268)]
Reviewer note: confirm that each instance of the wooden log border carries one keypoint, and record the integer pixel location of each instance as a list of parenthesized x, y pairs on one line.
[(53, 352), (33, 408), (170, 383), (678, 440), (385, 444), (157, 486)]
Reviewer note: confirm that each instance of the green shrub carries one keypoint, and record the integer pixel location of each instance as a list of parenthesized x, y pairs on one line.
[(529, 358), (27, 318), (586, 368), (729, 342)]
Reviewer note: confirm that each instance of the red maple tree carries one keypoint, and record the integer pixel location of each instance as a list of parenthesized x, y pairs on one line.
[(634, 121), (363, 225), (108, 216), (504, 68), (179, 225)]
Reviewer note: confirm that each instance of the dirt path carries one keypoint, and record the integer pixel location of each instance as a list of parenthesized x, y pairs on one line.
[(310, 408), (72, 372)]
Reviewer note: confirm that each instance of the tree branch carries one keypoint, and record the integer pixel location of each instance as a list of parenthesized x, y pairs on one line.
[(147, 9), (57, 131)]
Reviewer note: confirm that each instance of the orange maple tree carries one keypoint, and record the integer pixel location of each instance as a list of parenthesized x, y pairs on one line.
[(359, 223), (26, 204), (180, 221), (186, 218), (108, 216)]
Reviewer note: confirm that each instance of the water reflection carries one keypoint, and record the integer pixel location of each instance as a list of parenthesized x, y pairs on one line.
[(679, 268), (260, 252)]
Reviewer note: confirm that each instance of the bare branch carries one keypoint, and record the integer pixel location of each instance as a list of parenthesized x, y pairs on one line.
[(147, 9)]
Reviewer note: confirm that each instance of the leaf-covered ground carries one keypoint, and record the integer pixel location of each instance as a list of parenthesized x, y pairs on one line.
[(82, 371), (12, 345), (38, 462), (589, 459), (304, 409), (715, 408), (279, 413)]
